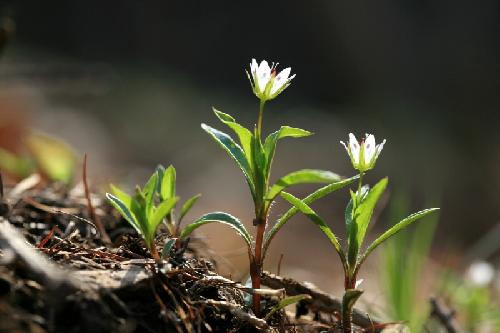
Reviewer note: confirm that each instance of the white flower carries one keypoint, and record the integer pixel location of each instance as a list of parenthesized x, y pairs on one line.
[(363, 154), (265, 81), (480, 273)]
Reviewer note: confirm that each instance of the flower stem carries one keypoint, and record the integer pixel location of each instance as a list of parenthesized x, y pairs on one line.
[(360, 184), (261, 114), (256, 265)]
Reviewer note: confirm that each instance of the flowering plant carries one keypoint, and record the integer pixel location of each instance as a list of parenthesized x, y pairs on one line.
[(358, 215), (254, 156)]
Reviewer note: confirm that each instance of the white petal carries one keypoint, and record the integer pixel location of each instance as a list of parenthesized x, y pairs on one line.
[(370, 148), (280, 80), (355, 148), (380, 147), (263, 75), (342, 142)]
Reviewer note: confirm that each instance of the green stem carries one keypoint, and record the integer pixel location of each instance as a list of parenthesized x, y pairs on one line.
[(261, 114), (360, 184)]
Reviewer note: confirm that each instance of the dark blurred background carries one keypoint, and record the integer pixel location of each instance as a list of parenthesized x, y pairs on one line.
[(129, 82)]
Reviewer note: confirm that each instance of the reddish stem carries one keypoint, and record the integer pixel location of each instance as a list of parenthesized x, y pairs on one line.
[(256, 264)]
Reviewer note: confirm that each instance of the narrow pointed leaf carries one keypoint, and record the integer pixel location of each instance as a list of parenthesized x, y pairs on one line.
[(125, 212), (397, 228), (188, 205), (168, 183), (159, 213), (244, 135), (124, 197), (301, 177), (272, 140), (150, 188), (235, 151), (311, 214), (318, 194), (286, 302), (167, 248), (160, 171), (219, 217), (363, 212)]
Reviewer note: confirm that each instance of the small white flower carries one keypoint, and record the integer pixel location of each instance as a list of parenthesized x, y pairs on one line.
[(480, 273), (266, 82), (363, 154)]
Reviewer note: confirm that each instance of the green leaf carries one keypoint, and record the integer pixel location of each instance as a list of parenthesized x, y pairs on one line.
[(150, 188), (18, 166), (286, 302), (124, 197), (186, 207), (260, 173), (272, 140), (168, 183), (395, 229), (54, 157), (219, 217), (362, 216), (125, 212), (167, 248), (301, 177), (318, 194), (244, 135), (159, 213), (235, 151), (311, 214), (160, 171)]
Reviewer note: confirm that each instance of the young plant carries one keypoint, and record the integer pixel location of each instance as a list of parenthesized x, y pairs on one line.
[(142, 211), (358, 214), (254, 156)]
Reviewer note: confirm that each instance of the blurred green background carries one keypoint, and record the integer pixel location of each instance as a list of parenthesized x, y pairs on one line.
[(129, 83)]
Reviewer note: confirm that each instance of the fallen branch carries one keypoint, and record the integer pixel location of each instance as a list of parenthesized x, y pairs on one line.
[(320, 301), (445, 316), (238, 312)]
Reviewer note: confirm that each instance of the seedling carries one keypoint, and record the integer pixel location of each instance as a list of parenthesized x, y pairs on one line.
[(156, 203), (358, 214), (255, 156), (141, 210)]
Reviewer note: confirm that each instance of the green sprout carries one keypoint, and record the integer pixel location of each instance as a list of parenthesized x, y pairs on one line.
[(358, 215), (155, 203), (254, 156), (142, 211)]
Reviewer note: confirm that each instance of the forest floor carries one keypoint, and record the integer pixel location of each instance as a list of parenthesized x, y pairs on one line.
[(59, 273)]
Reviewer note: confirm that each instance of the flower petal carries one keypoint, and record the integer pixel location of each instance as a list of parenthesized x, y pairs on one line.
[(370, 148), (280, 80), (263, 75)]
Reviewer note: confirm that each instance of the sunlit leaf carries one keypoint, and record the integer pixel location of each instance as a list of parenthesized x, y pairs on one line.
[(301, 177), (272, 140), (311, 214), (124, 197), (320, 193), (235, 151), (244, 135), (168, 183), (219, 217), (125, 212), (286, 302), (395, 229), (159, 213), (54, 157), (361, 218), (186, 207)]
